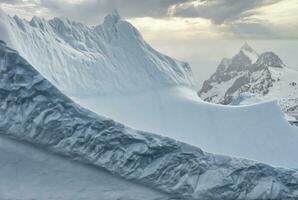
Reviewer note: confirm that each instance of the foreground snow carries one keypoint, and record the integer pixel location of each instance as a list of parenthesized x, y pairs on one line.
[(29, 172), (32, 109)]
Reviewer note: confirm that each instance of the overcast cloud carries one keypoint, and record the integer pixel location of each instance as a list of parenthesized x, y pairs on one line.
[(216, 10), (219, 11), (237, 17)]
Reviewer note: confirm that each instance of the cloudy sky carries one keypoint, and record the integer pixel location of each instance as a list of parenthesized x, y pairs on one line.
[(198, 31)]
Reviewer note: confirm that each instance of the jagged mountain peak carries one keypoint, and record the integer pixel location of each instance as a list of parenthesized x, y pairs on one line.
[(114, 28), (38, 22), (63, 22), (267, 78), (35, 19), (248, 51), (270, 59), (246, 46)]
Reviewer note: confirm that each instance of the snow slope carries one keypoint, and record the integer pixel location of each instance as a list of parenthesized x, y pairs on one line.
[(242, 131), (29, 172), (132, 83), (265, 76), (81, 60), (32, 109)]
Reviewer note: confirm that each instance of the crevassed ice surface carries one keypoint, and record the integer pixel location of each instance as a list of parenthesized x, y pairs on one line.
[(63, 50), (32, 109), (81, 60)]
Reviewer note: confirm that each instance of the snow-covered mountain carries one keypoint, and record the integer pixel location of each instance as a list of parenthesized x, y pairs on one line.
[(32, 109), (264, 75), (110, 58), (167, 104)]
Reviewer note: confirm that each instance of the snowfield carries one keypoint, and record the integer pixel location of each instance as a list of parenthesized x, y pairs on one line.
[(32, 109), (257, 132), (112, 71)]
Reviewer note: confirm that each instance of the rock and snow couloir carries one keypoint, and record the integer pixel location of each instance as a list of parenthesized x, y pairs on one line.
[(99, 66), (265, 76), (32, 109)]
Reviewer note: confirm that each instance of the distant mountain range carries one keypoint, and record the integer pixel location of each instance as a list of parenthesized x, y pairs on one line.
[(250, 75)]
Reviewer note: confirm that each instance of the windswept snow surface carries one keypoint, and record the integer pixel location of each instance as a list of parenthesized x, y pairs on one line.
[(29, 172), (258, 132), (111, 70), (32, 109), (108, 58)]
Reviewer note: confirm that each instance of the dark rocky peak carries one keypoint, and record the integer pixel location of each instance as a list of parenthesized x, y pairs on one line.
[(246, 47), (270, 59), (239, 62), (247, 50)]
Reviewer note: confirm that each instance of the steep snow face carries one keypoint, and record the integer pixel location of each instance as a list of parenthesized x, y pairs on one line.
[(266, 77), (108, 59), (34, 110)]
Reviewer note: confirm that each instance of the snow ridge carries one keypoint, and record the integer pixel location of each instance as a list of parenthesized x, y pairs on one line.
[(108, 59), (32, 109)]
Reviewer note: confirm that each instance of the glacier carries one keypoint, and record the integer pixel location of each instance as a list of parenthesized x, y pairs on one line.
[(112, 71), (33, 110)]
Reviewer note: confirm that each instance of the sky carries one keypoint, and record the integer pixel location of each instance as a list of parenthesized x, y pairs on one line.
[(200, 32)]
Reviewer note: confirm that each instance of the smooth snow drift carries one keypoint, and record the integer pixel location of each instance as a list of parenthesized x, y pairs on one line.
[(258, 132), (114, 72), (32, 109)]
